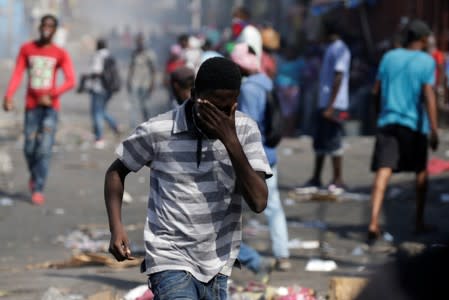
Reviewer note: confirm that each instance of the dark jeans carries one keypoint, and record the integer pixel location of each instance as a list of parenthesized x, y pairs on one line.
[(40, 130), (99, 114), (170, 285)]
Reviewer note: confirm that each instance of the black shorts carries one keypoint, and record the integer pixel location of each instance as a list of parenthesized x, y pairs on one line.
[(401, 149), (328, 135)]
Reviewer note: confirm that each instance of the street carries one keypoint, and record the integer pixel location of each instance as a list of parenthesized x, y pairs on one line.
[(32, 235)]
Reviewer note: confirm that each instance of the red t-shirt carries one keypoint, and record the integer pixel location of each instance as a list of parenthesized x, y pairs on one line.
[(41, 64), (438, 56)]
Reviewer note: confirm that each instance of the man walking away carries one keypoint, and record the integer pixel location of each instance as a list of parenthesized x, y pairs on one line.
[(333, 102), (140, 81), (42, 59), (403, 125)]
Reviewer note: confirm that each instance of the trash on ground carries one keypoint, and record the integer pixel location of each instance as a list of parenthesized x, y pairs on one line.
[(142, 292), (437, 166), (53, 293), (346, 288), (87, 259), (6, 201), (358, 251), (306, 245), (333, 194), (257, 291), (5, 163), (59, 211), (127, 198), (388, 237), (255, 224), (104, 295), (84, 241), (313, 224), (319, 265), (289, 202), (394, 192), (361, 197), (444, 198)]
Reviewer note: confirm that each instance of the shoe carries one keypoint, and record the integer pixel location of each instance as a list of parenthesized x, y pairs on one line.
[(312, 183), (100, 144), (38, 198), (337, 189), (283, 264), (372, 237), (266, 267)]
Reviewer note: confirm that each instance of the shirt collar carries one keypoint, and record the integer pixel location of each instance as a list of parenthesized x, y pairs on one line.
[(180, 123)]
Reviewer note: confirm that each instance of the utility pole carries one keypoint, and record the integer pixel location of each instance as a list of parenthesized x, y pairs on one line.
[(195, 6)]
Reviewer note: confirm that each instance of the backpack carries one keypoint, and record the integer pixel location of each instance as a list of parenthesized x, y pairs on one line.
[(110, 77), (273, 120)]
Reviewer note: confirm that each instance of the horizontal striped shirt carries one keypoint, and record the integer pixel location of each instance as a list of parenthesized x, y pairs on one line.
[(194, 213)]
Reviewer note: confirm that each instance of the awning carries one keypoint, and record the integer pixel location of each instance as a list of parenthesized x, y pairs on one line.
[(319, 7)]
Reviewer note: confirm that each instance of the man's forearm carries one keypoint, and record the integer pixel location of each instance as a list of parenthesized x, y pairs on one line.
[(335, 88), (431, 107), (251, 184), (114, 187)]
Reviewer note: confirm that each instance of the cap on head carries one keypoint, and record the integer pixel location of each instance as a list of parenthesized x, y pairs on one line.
[(416, 30), (218, 73)]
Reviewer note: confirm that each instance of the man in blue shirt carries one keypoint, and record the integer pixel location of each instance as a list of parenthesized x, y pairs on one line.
[(401, 142), (252, 101), (332, 103)]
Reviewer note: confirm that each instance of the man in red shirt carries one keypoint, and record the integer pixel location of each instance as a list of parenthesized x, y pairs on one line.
[(41, 58)]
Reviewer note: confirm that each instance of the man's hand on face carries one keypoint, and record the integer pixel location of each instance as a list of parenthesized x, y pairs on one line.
[(45, 101), (214, 122), (8, 105)]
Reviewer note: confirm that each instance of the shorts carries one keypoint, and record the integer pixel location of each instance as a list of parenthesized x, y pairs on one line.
[(401, 149), (328, 135)]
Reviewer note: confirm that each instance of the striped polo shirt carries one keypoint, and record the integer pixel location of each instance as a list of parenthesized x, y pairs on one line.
[(194, 213)]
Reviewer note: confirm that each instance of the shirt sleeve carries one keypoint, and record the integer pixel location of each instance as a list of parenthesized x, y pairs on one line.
[(342, 61), (17, 74), (429, 72), (97, 63), (253, 149), (248, 104), (137, 150), (69, 75)]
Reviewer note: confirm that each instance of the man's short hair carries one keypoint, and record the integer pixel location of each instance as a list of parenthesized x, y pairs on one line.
[(51, 17), (184, 76), (101, 43), (243, 12), (218, 73), (415, 31)]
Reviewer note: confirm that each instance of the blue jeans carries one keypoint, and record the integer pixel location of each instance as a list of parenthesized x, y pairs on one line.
[(249, 258), (275, 215), (168, 285), (99, 114), (138, 106), (40, 131)]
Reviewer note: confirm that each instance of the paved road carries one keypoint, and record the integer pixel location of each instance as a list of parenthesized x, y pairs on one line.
[(74, 198)]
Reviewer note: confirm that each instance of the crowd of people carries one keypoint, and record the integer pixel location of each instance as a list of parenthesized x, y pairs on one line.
[(212, 150)]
